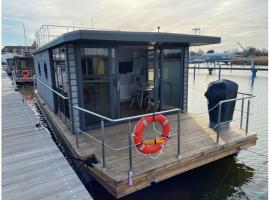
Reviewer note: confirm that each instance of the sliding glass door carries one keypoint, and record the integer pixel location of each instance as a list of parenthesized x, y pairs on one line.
[(171, 78), (99, 81)]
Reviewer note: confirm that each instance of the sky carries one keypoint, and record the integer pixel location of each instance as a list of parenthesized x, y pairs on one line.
[(233, 20)]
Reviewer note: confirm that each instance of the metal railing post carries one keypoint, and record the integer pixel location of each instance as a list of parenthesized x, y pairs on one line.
[(77, 138), (248, 106), (103, 144), (242, 112), (130, 154), (178, 135), (219, 120), (14, 80)]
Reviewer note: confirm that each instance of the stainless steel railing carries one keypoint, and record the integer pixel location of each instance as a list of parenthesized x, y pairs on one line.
[(242, 99), (49, 32), (129, 119), (56, 92)]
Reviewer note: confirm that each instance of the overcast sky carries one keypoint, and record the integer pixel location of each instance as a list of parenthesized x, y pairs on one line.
[(233, 20)]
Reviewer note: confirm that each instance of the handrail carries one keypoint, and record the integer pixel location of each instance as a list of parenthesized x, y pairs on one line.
[(245, 96), (126, 118), (62, 96), (130, 145)]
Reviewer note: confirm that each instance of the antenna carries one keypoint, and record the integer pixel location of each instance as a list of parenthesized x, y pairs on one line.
[(196, 29), (92, 23), (24, 38)]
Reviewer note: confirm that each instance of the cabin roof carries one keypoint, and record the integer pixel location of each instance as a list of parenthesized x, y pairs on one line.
[(22, 57), (134, 37)]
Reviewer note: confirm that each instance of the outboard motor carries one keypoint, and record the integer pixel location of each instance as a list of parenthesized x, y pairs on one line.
[(218, 91)]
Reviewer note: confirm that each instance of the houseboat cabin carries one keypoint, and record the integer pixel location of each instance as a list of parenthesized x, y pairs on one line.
[(93, 86), (114, 73)]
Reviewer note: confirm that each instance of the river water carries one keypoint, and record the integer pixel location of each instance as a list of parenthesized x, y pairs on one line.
[(243, 177)]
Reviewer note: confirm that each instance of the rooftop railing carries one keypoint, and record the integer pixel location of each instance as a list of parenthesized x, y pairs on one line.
[(47, 33)]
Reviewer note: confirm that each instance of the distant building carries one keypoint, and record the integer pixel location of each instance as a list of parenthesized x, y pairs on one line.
[(18, 50)]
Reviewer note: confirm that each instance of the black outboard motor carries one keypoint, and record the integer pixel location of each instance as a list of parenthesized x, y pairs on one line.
[(216, 92)]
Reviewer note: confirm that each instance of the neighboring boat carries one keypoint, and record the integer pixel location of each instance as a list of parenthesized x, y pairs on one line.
[(23, 69)]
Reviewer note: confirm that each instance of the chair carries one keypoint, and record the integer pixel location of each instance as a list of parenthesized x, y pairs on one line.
[(135, 97)]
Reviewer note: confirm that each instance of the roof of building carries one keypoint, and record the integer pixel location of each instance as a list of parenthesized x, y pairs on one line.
[(11, 48), (134, 37)]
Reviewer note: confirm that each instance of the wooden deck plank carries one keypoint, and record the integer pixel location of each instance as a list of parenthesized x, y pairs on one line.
[(32, 165)]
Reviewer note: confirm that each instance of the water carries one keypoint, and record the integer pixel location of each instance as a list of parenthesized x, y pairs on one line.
[(248, 174)]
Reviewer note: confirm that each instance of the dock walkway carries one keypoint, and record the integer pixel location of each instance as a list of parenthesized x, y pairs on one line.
[(32, 165)]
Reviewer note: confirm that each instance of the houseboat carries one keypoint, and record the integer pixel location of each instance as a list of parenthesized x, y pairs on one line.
[(101, 90), (22, 69)]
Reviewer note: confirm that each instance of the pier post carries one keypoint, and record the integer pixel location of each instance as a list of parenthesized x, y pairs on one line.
[(194, 71), (248, 106), (103, 144), (219, 120), (253, 72), (130, 153), (219, 72), (178, 134), (242, 112)]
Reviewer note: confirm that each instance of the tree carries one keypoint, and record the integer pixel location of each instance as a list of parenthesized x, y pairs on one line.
[(211, 51)]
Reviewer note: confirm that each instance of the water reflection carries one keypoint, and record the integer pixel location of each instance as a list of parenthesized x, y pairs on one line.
[(206, 182)]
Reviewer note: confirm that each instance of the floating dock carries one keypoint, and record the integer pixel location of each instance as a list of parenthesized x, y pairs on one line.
[(32, 165), (197, 147)]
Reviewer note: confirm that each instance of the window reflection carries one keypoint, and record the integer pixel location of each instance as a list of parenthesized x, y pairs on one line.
[(171, 92), (61, 81), (96, 85)]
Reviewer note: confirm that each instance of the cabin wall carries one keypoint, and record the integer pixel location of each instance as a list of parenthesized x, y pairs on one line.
[(73, 85), (185, 86), (44, 92)]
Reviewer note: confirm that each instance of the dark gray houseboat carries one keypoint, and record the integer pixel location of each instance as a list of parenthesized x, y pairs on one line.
[(22, 69), (93, 86)]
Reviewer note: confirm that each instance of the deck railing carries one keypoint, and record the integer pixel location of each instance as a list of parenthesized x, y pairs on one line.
[(245, 96), (242, 99), (129, 119), (49, 32)]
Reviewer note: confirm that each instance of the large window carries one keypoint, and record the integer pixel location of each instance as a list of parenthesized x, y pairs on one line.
[(61, 81), (96, 82)]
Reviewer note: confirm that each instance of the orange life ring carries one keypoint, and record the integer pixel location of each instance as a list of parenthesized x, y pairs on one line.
[(25, 73), (155, 145)]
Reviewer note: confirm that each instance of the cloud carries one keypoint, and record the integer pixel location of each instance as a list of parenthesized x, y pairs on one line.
[(233, 20)]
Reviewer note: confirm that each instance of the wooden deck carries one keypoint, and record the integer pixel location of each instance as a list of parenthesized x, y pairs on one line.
[(32, 165), (197, 143)]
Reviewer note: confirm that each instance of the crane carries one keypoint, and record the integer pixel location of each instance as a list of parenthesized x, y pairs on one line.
[(245, 52)]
